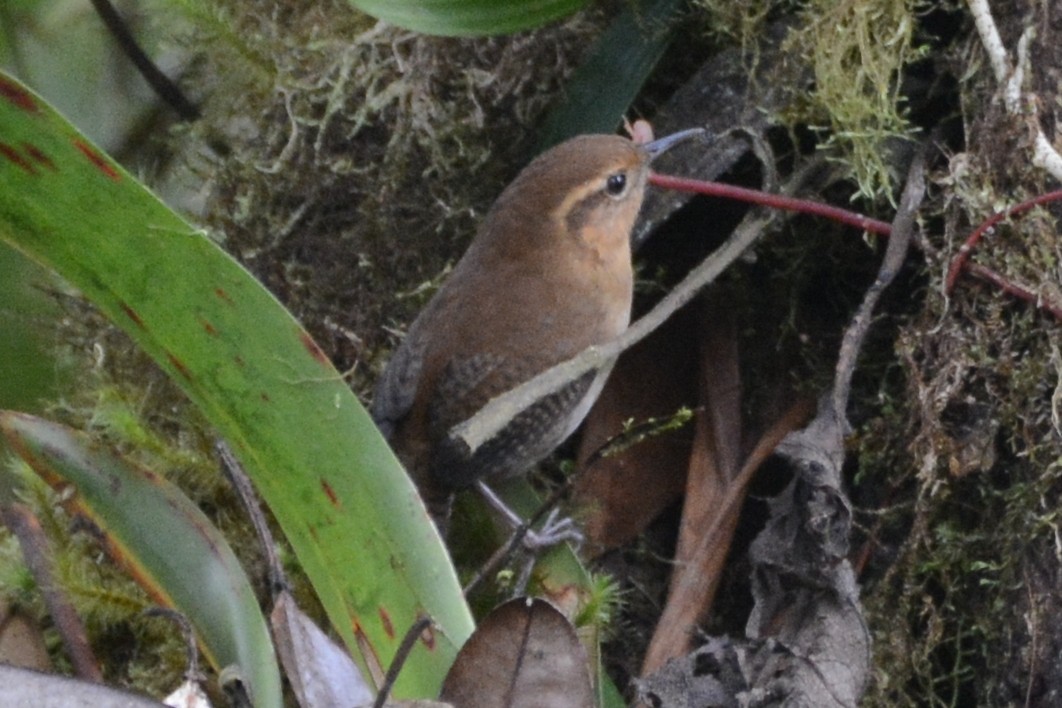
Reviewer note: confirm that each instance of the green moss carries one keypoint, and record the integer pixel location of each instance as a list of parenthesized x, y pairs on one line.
[(108, 601), (603, 603), (979, 480), (857, 51), (736, 21)]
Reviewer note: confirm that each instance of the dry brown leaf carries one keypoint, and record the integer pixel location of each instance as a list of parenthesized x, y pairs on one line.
[(21, 641), (716, 454), (693, 588), (525, 654), (321, 673), (623, 493)]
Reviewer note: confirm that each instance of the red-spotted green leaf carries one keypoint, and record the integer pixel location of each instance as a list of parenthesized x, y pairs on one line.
[(153, 530), (349, 511)]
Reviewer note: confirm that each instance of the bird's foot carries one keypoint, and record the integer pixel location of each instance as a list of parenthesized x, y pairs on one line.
[(554, 530)]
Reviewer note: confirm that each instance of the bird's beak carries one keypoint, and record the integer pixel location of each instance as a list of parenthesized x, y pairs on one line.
[(660, 146)]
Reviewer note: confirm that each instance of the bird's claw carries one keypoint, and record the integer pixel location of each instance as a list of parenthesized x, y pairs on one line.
[(553, 532)]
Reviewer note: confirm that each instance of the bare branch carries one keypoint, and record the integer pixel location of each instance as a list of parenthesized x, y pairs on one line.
[(903, 227), (1011, 78)]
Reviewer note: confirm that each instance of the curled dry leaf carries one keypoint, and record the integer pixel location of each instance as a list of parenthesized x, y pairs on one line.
[(321, 672), (24, 687)]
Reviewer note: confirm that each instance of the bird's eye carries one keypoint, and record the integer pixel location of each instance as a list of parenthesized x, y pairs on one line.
[(616, 184)]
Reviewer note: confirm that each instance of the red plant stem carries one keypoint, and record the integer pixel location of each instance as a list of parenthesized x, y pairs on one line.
[(959, 263), (1019, 291), (806, 206), (775, 201)]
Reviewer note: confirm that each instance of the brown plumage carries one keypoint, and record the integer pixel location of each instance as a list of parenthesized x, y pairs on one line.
[(547, 275)]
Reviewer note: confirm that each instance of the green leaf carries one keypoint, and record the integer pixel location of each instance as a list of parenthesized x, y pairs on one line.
[(346, 506), (601, 90), (468, 17), (28, 367), (170, 547)]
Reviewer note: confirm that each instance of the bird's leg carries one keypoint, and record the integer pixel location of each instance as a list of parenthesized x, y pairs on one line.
[(553, 530)]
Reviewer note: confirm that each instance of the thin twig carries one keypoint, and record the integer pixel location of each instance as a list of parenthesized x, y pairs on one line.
[(193, 673), (959, 263), (902, 228), (39, 560), (167, 90), (1015, 289), (613, 445), (408, 642), (682, 610), (1010, 79), (774, 201), (241, 483)]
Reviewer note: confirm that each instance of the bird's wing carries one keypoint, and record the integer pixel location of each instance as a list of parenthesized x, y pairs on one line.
[(465, 386), (397, 387)]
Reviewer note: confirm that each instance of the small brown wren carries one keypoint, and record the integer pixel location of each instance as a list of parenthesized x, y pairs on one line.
[(548, 274)]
